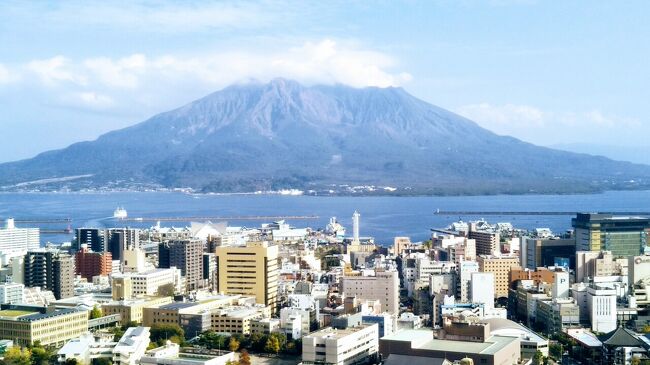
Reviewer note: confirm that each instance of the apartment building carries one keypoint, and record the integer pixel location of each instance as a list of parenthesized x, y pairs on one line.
[(187, 255), (500, 266)]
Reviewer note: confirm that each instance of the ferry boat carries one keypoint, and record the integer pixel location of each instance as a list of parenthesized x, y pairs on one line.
[(119, 213)]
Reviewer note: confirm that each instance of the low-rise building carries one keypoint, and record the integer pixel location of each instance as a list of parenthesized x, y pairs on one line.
[(354, 345), (131, 346), (238, 319), (557, 314), (46, 325), (265, 326), (172, 354), (131, 310)]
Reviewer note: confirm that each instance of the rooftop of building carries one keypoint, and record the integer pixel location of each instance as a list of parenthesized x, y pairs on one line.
[(423, 339), (508, 328), (334, 333), (26, 313)]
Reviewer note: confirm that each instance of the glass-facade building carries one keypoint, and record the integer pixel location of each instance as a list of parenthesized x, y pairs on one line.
[(622, 235)]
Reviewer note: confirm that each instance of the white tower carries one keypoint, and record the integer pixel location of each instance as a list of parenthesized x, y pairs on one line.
[(355, 226)]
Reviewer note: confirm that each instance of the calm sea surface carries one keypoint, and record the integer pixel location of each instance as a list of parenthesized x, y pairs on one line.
[(381, 217)]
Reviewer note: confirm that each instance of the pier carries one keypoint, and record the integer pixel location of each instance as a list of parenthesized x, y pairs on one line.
[(221, 218), (484, 213)]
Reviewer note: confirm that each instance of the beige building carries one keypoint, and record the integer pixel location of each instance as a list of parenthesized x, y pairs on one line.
[(500, 266), (132, 309), (383, 286), (148, 283), (250, 270), (238, 319), (26, 325), (487, 243)]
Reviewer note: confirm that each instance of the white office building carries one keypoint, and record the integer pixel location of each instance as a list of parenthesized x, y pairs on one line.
[(483, 289), (15, 242), (12, 293), (601, 303), (465, 270), (354, 345)]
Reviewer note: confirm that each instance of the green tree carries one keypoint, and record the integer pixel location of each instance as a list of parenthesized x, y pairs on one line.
[(244, 358), (163, 332), (233, 344), (231, 362), (95, 312), (71, 362), (272, 345), (538, 358), (102, 361), (166, 290), (646, 328), (18, 356), (40, 356), (555, 350)]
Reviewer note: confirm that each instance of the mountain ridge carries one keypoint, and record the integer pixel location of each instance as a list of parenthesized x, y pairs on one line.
[(281, 134)]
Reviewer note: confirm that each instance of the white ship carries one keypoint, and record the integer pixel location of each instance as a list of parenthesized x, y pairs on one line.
[(335, 228), (119, 213)]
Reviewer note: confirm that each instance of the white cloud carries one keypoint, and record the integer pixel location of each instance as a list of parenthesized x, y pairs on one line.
[(160, 82), (544, 127), (54, 70), (5, 76)]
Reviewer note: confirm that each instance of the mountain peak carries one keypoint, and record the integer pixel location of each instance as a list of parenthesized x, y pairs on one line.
[(281, 134)]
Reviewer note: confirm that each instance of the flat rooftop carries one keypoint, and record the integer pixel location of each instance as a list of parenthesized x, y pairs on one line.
[(334, 333), (422, 339), (13, 313)]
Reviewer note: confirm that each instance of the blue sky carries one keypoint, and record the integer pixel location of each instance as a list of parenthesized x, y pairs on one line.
[(549, 72)]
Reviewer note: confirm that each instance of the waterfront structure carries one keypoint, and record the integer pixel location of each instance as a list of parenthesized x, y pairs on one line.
[(15, 242), (354, 345), (26, 325), (622, 235), (89, 264), (499, 266), (383, 285), (250, 270), (50, 269), (538, 252), (12, 293)]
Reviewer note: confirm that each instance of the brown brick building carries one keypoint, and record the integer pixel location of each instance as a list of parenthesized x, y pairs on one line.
[(89, 264)]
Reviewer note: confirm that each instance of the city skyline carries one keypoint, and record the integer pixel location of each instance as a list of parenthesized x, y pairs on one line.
[(542, 72)]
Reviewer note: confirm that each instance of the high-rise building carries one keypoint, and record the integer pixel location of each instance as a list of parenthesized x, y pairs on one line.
[(186, 255), (250, 270), (499, 266), (465, 270), (487, 243), (94, 238), (120, 239), (537, 252), (622, 235), (482, 285), (383, 286), (16, 242), (51, 270), (89, 264)]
